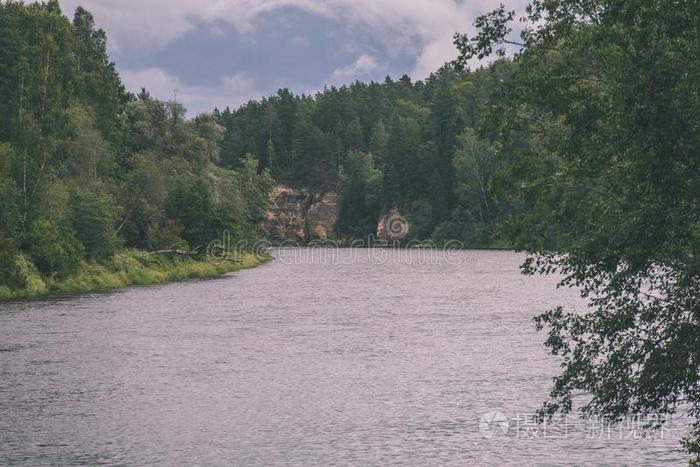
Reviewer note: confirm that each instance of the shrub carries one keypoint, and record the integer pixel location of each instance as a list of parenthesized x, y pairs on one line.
[(191, 203), (167, 235), (93, 215), (10, 274), (54, 248), (9, 210)]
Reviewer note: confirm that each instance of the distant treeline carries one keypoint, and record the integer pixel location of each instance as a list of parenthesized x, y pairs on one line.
[(409, 145)]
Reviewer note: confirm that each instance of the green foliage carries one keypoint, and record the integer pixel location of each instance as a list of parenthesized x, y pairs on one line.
[(141, 196), (88, 155), (191, 203), (207, 128), (168, 235), (93, 217), (606, 188), (360, 190), (86, 168), (410, 129), (420, 220), (311, 159), (10, 273), (53, 247), (99, 82), (475, 163), (10, 216), (128, 267), (255, 189)]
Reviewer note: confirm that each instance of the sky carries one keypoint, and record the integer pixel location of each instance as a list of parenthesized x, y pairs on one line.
[(219, 53)]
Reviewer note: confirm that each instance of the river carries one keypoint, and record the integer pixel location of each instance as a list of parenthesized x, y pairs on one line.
[(317, 358)]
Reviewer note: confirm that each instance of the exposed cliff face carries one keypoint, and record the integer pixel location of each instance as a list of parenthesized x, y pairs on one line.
[(322, 217), (301, 216), (286, 217)]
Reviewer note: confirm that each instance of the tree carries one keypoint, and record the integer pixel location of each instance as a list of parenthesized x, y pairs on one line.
[(93, 218), (404, 158), (360, 189), (10, 273), (191, 203), (272, 157), (353, 137), (100, 82), (474, 163), (609, 181), (420, 219), (311, 159), (87, 154), (378, 143), (10, 213), (207, 128), (146, 125), (54, 248), (141, 198), (255, 186)]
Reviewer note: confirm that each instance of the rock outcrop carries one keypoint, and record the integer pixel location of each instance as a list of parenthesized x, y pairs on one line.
[(299, 215), (322, 217), (286, 217)]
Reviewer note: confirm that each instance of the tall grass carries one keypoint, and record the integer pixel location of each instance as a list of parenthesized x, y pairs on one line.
[(127, 268)]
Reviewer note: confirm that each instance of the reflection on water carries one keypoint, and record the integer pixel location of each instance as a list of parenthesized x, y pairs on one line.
[(304, 361)]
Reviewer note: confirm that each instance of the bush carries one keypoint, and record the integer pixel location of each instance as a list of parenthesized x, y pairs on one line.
[(420, 219), (191, 203), (54, 248), (10, 274), (93, 215), (9, 210), (167, 235)]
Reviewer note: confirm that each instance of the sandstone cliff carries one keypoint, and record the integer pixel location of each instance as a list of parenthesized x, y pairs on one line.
[(299, 215)]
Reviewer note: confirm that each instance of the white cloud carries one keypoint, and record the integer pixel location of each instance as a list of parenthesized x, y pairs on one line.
[(134, 24), (400, 24), (230, 91), (361, 67)]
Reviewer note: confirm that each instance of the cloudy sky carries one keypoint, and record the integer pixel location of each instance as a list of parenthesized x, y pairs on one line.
[(218, 53)]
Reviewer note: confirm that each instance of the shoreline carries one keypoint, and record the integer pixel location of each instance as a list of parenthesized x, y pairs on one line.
[(131, 268), (332, 244), (128, 268)]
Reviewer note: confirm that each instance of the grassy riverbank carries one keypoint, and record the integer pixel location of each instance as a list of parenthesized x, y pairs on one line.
[(127, 268)]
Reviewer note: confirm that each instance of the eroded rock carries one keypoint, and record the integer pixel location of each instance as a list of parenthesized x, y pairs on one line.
[(322, 217), (298, 215)]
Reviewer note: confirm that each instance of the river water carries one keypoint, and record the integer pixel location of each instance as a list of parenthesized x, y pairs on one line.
[(343, 357)]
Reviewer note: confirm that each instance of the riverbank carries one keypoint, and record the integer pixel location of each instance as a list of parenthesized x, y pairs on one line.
[(127, 268)]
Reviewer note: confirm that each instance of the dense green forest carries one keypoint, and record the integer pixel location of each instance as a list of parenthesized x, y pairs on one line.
[(88, 170), (382, 145)]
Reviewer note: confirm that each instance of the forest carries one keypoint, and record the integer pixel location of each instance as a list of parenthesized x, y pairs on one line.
[(89, 170), (409, 145)]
